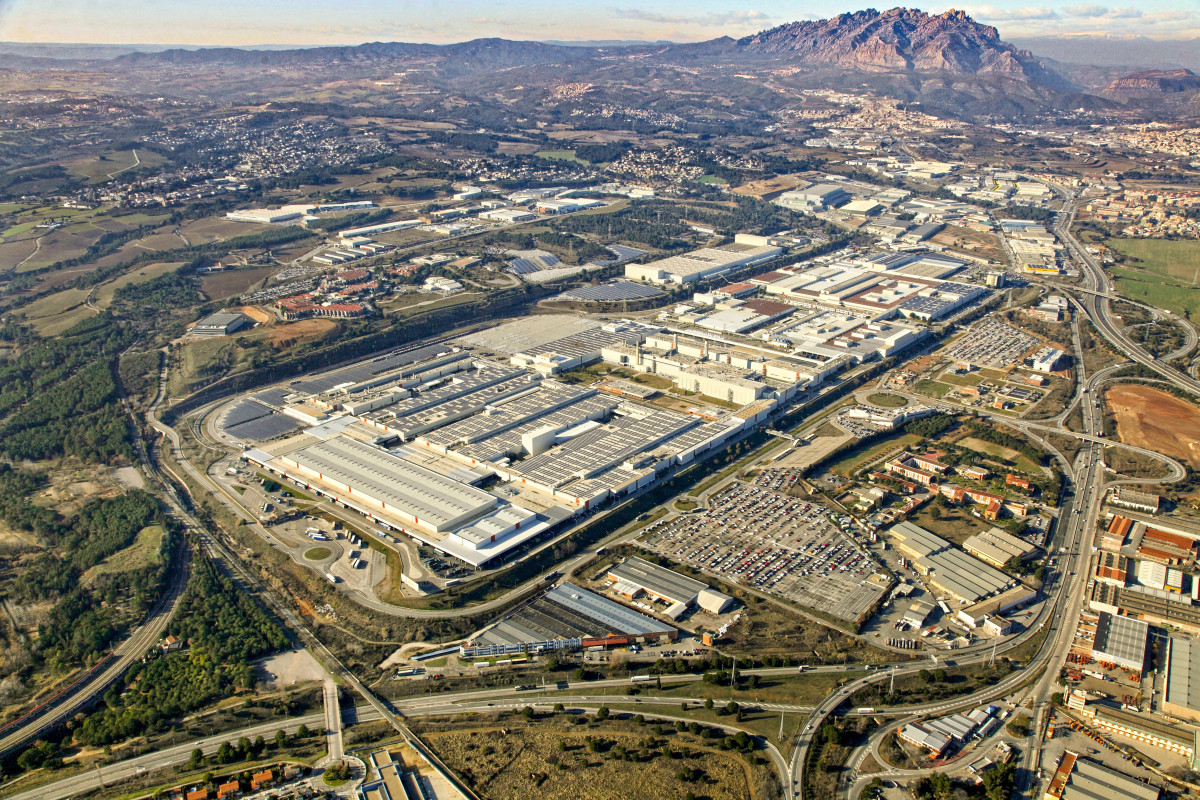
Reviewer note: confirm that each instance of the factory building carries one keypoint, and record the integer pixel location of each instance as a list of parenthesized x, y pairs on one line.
[(947, 569), (702, 264), (997, 547), (813, 198), (1106, 716), (1120, 640), (573, 613), (268, 216), (636, 575), (1181, 697), (882, 286), (1079, 778), (222, 323)]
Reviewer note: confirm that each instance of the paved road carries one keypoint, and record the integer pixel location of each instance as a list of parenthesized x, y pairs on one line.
[(91, 685)]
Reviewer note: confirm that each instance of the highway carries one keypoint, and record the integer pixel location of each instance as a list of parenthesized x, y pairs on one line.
[(84, 691)]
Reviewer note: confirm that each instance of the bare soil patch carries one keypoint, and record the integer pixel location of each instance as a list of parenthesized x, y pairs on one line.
[(1156, 420), (306, 330)]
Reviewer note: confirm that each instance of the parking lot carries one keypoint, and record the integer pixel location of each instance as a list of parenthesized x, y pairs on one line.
[(991, 343), (758, 538)]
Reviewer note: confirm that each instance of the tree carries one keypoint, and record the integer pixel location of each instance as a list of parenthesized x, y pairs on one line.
[(225, 753), (708, 703), (303, 732), (198, 758), (602, 714), (281, 739)]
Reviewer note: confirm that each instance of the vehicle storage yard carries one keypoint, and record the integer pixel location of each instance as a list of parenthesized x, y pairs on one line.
[(758, 538)]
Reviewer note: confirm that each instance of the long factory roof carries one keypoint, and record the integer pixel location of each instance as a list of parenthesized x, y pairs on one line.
[(413, 489), (1183, 673), (658, 580)]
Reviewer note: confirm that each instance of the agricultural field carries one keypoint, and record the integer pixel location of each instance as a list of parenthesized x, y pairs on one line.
[(1175, 258), (216, 229), (1156, 420), (1158, 290), (555, 759), (290, 334), (99, 168), (54, 314), (560, 155), (230, 283)]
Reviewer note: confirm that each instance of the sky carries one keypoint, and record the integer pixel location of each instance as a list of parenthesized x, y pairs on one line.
[(323, 22)]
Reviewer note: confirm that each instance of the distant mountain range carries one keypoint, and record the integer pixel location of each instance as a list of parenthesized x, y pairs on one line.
[(945, 61), (1115, 51)]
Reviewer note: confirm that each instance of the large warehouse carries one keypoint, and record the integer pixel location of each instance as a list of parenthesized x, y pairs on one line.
[(1182, 696), (946, 568), (1121, 641), (439, 510), (571, 613), (701, 264), (997, 547), (636, 575)]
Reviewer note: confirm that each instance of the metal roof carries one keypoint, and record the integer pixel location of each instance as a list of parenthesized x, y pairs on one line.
[(429, 496), (1092, 781), (1183, 673), (658, 580), (1122, 638)]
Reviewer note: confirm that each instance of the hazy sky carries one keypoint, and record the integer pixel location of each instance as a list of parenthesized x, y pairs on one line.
[(244, 22)]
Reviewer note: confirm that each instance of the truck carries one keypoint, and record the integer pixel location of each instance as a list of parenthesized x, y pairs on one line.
[(329, 576)]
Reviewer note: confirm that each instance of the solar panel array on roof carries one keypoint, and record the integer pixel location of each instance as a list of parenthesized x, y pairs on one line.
[(363, 370), (626, 253), (522, 266), (264, 428), (276, 397), (611, 292), (243, 411)]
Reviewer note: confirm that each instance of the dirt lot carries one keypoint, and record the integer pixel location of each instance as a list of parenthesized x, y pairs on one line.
[(1156, 420), (550, 760), (769, 187), (232, 282), (306, 330)]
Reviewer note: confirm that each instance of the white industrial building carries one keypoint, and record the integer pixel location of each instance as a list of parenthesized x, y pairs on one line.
[(814, 198), (509, 215), (268, 216), (383, 227), (702, 264)]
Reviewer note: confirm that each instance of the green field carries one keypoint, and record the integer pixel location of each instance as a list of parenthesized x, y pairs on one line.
[(886, 400), (853, 459), (144, 552), (1175, 258), (931, 389), (560, 155), (970, 379), (1157, 290), (317, 553), (714, 180)]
